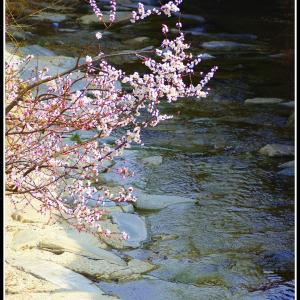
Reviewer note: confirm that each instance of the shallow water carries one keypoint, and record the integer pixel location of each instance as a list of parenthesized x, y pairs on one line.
[(237, 241)]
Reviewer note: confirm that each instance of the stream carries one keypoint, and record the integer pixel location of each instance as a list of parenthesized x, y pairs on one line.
[(236, 241)]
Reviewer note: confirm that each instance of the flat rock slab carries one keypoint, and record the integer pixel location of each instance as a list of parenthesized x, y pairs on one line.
[(62, 295), (263, 101), (54, 273), (156, 202), (60, 240), (92, 268), (133, 225), (274, 150)]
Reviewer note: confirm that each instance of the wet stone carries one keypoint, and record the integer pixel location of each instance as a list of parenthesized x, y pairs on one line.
[(263, 101), (287, 172), (289, 164), (225, 45), (49, 17), (274, 150)]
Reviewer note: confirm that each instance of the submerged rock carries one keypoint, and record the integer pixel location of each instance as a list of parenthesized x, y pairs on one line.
[(91, 20), (136, 42), (247, 37), (291, 121), (189, 17), (289, 164), (263, 101), (274, 150), (23, 35), (290, 104), (49, 17), (287, 172), (36, 50), (225, 45), (153, 160), (155, 202), (151, 288)]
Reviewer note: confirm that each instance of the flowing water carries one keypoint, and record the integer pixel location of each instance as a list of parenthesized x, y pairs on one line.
[(237, 241)]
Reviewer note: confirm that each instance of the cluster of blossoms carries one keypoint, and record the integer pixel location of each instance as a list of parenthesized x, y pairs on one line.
[(96, 9), (43, 112), (167, 9), (112, 14)]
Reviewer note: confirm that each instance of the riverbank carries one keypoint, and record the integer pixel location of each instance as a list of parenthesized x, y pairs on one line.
[(47, 257)]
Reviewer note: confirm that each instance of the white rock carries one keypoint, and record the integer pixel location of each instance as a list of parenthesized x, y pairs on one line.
[(98, 269), (133, 225), (263, 101), (58, 239), (18, 282), (60, 295), (273, 150), (54, 273)]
